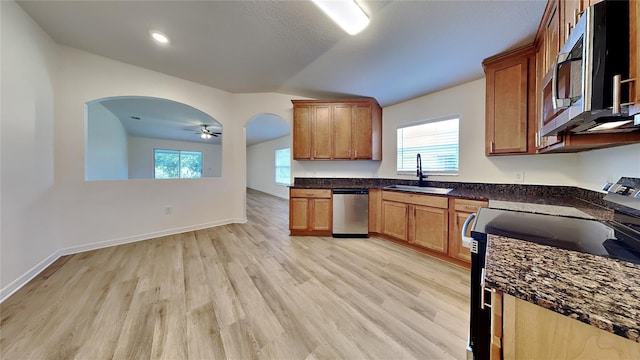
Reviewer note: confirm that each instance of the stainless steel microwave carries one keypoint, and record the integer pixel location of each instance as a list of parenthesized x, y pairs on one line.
[(582, 92)]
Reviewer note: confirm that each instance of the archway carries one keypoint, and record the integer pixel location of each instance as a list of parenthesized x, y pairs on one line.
[(138, 137)]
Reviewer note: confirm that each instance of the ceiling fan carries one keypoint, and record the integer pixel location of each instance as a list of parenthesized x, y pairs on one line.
[(206, 133)]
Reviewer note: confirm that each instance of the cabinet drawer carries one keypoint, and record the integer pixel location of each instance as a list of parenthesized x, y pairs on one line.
[(417, 199), (469, 205), (310, 193)]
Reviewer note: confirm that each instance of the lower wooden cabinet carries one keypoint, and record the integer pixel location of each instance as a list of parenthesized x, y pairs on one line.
[(428, 228), (460, 210), (310, 212), (395, 217), (421, 220), (522, 330)]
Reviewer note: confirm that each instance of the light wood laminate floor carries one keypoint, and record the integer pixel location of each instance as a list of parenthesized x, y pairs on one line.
[(241, 291)]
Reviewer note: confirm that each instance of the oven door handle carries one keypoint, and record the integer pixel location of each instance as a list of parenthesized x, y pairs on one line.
[(466, 240)]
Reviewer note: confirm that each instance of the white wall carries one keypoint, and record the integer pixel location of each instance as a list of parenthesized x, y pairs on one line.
[(103, 212), (106, 157), (27, 224), (261, 172), (141, 162), (607, 165)]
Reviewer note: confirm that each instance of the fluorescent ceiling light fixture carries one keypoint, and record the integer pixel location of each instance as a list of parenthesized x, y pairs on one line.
[(160, 37), (609, 125), (345, 13)]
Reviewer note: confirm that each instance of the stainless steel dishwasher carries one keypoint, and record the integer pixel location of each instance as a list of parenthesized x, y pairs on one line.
[(350, 213)]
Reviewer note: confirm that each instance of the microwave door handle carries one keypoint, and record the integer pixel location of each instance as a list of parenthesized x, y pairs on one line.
[(554, 81)]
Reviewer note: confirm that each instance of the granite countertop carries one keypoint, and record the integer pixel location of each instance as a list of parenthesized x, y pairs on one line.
[(552, 200), (599, 291)]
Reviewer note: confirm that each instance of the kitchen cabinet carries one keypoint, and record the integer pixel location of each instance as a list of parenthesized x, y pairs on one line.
[(525, 330), (310, 212), (344, 129), (375, 210), (510, 102), (420, 220), (459, 211), (634, 58)]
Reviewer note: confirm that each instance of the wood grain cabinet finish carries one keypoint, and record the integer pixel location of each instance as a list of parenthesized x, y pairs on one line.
[(634, 58), (532, 332), (421, 220), (459, 211), (310, 212), (510, 102), (342, 129), (559, 19)]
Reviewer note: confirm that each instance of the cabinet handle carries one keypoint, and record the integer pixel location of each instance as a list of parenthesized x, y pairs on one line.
[(617, 86), (492, 147), (568, 29), (537, 139)]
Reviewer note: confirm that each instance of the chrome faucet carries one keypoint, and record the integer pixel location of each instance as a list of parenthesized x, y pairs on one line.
[(421, 176)]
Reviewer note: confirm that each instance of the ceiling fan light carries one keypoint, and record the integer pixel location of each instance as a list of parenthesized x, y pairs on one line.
[(203, 135), (346, 13)]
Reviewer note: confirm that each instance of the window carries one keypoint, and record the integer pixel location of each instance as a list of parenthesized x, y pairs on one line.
[(437, 143), (283, 166), (177, 164)]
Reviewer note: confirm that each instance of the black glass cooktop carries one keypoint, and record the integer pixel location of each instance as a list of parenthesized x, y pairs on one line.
[(609, 239)]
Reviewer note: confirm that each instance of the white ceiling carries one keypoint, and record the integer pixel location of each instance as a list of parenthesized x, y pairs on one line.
[(161, 118), (410, 48)]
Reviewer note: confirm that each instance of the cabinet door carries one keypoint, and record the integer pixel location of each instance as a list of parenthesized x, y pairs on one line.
[(394, 219), (321, 214), (321, 132), (299, 214), (571, 12), (342, 121), (507, 96), (428, 228), (362, 132), (552, 37), (634, 51), (302, 132)]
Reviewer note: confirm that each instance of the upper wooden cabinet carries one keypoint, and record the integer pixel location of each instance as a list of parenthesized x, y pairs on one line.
[(344, 129), (515, 81), (634, 59), (510, 102)]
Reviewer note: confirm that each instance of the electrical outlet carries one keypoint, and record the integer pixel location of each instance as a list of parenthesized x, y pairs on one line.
[(518, 176), (168, 210)]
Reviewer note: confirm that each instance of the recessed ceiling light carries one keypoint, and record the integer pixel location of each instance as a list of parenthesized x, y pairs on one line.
[(345, 13), (160, 37)]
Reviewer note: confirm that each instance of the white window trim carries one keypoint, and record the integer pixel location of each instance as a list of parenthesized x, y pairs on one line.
[(421, 122), (275, 167)]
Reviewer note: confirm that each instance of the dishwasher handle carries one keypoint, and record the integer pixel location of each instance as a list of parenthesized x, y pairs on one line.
[(351, 191)]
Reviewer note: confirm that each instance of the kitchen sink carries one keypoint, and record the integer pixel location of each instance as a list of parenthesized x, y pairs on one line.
[(420, 189)]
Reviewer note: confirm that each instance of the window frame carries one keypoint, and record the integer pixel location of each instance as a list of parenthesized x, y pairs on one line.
[(275, 166), (179, 164), (423, 122)]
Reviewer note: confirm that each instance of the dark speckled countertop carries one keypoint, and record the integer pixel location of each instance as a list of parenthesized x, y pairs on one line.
[(599, 291), (586, 201)]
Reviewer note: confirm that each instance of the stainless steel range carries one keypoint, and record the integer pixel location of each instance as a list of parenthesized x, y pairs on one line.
[(618, 239)]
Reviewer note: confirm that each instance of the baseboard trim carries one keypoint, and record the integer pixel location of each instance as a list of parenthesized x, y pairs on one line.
[(21, 281)]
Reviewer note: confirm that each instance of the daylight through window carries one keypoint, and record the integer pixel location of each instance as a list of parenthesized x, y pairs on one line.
[(177, 164), (283, 166), (437, 143)]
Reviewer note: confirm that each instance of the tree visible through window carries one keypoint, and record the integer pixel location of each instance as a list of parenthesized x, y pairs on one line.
[(177, 164), (283, 166), (437, 143)]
